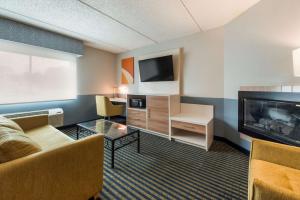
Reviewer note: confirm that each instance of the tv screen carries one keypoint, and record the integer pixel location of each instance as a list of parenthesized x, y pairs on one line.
[(157, 69)]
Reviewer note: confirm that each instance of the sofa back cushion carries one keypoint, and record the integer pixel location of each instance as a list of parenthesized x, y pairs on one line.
[(15, 144), (5, 122)]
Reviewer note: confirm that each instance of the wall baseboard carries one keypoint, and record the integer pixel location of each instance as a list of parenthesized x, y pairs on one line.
[(241, 149), (218, 138)]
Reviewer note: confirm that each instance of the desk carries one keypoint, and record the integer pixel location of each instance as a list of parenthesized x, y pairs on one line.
[(118, 100)]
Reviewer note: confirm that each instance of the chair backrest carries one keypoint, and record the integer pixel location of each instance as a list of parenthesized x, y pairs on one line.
[(103, 104)]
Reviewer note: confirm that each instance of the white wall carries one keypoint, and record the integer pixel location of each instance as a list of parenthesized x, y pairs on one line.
[(258, 46), (254, 49), (258, 52), (202, 67), (96, 72)]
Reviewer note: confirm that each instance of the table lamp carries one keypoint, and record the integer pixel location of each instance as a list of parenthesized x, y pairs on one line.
[(123, 90), (115, 92), (296, 62)]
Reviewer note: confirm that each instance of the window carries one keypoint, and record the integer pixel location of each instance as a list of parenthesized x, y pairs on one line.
[(31, 78)]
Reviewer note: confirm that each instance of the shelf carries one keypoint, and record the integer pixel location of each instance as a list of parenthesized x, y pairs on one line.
[(190, 137), (138, 109), (190, 118)]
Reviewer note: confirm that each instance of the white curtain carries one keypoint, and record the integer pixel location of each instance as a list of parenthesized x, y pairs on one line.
[(30, 77)]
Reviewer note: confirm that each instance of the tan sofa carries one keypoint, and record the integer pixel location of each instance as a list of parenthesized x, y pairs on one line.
[(63, 169), (274, 171)]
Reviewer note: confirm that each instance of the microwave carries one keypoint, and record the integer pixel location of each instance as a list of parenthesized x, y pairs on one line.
[(137, 103)]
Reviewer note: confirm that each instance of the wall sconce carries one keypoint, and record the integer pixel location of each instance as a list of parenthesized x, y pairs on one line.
[(296, 62)]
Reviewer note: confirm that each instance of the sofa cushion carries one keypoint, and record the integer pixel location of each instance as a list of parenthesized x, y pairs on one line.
[(5, 122), (276, 175), (15, 144), (48, 137)]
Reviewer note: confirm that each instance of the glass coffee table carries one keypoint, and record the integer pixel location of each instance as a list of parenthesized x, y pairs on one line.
[(116, 135)]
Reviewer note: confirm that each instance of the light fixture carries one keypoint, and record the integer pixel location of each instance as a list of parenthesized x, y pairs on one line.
[(296, 62), (115, 91), (123, 91)]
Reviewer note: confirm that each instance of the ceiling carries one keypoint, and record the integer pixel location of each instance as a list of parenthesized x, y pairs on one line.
[(122, 25)]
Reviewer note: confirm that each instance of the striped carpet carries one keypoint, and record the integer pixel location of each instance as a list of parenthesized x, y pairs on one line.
[(172, 170)]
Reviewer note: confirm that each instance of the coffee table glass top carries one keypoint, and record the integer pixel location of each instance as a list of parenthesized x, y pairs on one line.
[(111, 130)]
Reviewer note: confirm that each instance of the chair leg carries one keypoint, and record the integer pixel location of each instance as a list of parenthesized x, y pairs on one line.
[(95, 197)]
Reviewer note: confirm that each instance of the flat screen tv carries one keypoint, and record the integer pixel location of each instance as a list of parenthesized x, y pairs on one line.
[(157, 69)]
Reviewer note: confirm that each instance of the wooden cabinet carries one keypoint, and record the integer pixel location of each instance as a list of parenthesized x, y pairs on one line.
[(136, 117), (165, 115), (158, 113), (156, 116)]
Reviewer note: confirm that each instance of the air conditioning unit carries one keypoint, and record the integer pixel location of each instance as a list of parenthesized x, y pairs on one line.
[(55, 115)]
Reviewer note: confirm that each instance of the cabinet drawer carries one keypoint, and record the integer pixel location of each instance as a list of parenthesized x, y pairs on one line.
[(158, 115), (189, 127), (160, 102), (136, 118), (159, 127)]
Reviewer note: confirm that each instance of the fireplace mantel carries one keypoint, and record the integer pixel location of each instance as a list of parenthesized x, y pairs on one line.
[(273, 88)]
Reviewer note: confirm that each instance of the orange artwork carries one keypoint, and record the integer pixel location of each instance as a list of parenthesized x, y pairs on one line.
[(127, 71)]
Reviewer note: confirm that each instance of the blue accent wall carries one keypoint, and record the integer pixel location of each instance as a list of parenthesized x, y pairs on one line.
[(23, 33), (84, 109), (78, 110), (231, 123)]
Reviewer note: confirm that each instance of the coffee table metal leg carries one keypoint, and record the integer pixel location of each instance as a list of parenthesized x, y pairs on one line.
[(112, 154), (138, 141)]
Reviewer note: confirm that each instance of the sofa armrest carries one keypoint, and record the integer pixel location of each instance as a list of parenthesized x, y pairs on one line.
[(73, 171), (31, 122), (262, 191), (276, 153)]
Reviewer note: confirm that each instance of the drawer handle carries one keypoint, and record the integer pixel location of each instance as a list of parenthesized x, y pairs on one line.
[(190, 127), (135, 119)]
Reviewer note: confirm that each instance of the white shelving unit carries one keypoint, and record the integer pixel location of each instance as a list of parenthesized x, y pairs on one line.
[(193, 125)]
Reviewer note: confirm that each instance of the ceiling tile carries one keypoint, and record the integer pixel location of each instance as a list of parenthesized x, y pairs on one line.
[(121, 25), (76, 18), (160, 20), (210, 14)]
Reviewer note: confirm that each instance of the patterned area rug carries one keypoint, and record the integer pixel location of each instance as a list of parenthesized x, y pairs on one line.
[(172, 170)]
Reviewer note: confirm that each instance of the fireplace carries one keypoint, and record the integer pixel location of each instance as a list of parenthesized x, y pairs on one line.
[(273, 116)]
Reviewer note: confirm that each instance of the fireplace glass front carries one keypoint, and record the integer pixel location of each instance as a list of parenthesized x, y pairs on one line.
[(273, 119)]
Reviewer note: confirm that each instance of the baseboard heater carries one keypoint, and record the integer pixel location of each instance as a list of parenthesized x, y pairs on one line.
[(55, 115)]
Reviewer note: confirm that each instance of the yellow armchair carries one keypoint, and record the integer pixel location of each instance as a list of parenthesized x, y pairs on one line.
[(274, 171), (106, 109)]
